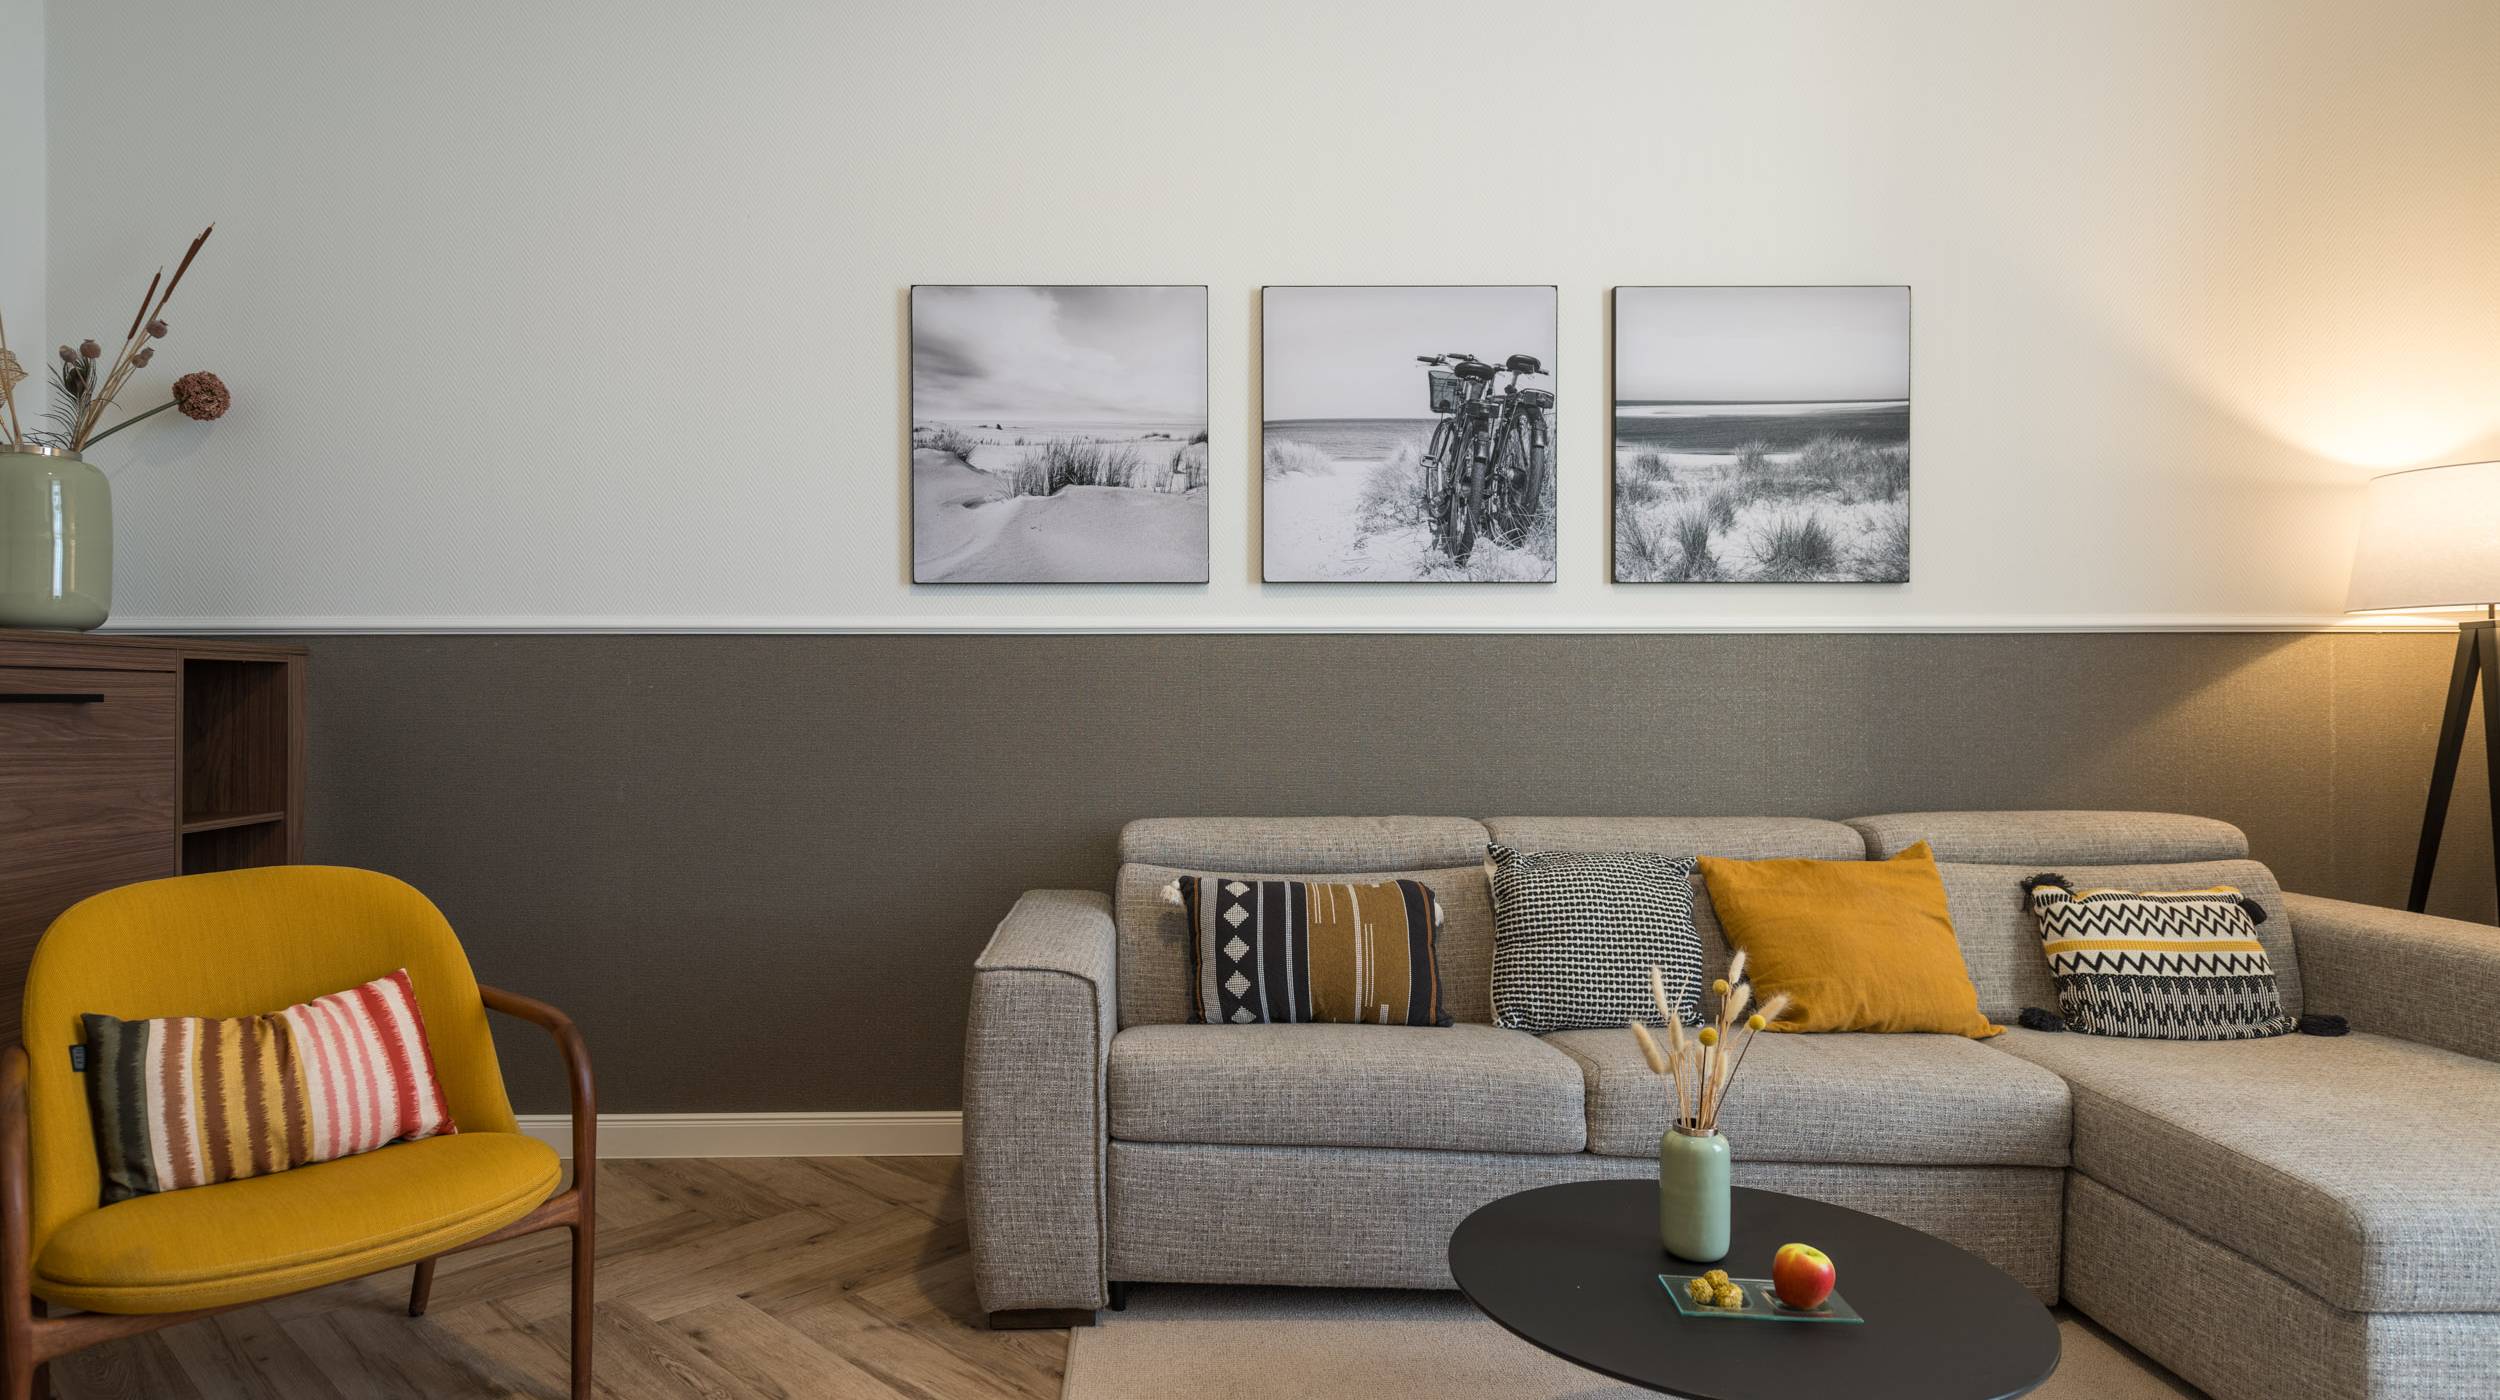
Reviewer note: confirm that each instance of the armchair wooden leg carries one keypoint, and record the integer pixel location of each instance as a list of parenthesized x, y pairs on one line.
[(583, 1267), (422, 1291)]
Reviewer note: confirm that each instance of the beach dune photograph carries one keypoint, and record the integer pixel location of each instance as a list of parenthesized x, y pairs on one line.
[(1407, 434), (1762, 435), (1059, 434)]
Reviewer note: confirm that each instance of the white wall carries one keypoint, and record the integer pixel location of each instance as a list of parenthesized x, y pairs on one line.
[(592, 314), (22, 194)]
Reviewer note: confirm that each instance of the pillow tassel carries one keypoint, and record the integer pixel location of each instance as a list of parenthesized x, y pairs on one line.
[(2325, 1025), (1172, 893), (2040, 1019), (2055, 881), (2256, 911)]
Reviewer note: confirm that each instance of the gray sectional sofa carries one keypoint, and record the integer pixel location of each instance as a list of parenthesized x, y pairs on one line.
[(2289, 1217)]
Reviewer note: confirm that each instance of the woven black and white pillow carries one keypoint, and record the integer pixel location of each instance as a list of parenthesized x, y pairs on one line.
[(1576, 933)]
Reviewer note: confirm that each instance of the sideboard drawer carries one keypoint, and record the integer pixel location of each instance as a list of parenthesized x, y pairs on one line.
[(88, 771)]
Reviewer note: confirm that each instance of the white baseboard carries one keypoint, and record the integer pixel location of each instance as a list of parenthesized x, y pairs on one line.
[(630, 1135)]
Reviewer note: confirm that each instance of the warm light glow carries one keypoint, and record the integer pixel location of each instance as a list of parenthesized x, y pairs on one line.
[(2430, 541)]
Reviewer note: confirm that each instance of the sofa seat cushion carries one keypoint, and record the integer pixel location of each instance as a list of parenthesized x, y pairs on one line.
[(1471, 1088), (2358, 1166), (1844, 1098), (259, 1237)]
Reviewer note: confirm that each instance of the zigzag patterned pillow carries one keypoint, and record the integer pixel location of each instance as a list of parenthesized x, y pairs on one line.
[(2158, 965), (1575, 934)]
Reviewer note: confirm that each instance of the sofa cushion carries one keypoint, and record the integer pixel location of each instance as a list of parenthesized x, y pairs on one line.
[(1465, 1088), (1736, 838), (1903, 1100), (2045, 839), (2000, 938), (2358, 1167), (1303, 845)]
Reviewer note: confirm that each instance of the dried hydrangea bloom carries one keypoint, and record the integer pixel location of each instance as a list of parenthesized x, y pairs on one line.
[(202, 395)]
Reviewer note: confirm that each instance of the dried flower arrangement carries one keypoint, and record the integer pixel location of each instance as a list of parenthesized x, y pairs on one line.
[(84, 385), (1703, 1063)]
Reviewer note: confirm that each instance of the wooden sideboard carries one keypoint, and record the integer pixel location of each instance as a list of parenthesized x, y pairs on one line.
[(131, 758)]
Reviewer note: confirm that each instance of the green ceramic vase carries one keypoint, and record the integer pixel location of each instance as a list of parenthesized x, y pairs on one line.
[(1693, 1195), (56, 541)]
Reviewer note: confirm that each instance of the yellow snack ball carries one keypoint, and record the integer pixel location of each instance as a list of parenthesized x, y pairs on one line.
[(1730, 1296), (1716, 1278), (1702, 1291)]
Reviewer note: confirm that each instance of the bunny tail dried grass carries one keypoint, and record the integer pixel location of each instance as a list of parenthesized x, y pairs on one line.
[(1649, 1049), (1736, 968)]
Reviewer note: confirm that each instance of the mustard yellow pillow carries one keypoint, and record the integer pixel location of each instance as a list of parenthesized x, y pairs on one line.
[(1857, 945)]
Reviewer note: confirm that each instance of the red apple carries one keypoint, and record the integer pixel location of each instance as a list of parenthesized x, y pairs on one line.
[(1802, 1275)]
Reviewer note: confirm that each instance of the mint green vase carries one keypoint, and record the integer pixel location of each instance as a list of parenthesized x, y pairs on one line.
[(1693, 1195), (56, 541)]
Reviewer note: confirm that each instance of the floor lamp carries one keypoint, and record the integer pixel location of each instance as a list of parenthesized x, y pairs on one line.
[(2430, 542)]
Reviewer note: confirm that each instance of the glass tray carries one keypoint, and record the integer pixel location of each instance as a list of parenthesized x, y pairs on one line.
[(1761, 1304)]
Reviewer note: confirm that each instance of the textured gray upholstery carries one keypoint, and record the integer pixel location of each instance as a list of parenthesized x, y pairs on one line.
[(1901, 1100), (1466, 1088), (1154, 938), (2244, 1333), (1303, 845), (1034, 1121), (1372, 1218), (2000, 936), (2358, 1167), (1737, 838), (2427, 979), (2076, 838)]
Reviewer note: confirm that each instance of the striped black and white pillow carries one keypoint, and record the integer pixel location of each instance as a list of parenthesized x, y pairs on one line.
[(1576, 933)]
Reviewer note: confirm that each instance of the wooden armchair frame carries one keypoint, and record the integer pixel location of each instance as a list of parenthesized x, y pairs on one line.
[(29, 1340)]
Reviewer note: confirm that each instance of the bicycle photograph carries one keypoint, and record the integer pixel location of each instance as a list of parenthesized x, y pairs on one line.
[(1389, 456)]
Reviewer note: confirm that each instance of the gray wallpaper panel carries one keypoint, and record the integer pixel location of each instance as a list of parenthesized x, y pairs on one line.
[(756, 868)]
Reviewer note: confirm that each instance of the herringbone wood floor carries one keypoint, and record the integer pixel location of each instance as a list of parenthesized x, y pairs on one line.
[(800, 1277)]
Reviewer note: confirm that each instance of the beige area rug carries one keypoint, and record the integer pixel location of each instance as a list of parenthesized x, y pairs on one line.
[(1239, 1343)]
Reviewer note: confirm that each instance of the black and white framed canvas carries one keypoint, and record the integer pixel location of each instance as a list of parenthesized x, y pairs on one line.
[(1407, 434), (1059, 434), (1762, 435)]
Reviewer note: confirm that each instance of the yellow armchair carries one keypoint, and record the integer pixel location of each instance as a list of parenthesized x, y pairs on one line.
[(237, 944)]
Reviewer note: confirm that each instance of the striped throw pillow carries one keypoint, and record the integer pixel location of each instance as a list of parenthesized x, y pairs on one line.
[(2158, 965), (1279, 951), (189, 1101)]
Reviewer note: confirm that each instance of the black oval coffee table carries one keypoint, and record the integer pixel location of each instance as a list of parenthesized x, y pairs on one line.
[(1574, 1270)]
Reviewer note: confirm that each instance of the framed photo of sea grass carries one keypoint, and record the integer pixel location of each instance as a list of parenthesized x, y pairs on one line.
[(1059, 434), (1407, 434), (1762, 435)]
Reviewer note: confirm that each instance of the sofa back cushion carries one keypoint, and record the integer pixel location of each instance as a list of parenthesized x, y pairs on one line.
[(1735, 838), (1985, 856), (1444, 853)]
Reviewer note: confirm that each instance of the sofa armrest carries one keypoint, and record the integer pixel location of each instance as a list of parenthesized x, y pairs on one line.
[(1044, 1009), (2413, 976)]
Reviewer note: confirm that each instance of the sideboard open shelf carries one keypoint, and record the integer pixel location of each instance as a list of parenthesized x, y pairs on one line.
[(132, 758)]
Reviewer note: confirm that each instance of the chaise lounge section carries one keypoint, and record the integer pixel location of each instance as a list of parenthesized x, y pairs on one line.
[(2300, 1215)]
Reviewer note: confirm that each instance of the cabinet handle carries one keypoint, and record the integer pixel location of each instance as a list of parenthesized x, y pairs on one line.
[(42, 697)]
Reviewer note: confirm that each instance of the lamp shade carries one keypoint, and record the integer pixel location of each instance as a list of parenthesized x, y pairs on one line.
[(2430, 540)]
